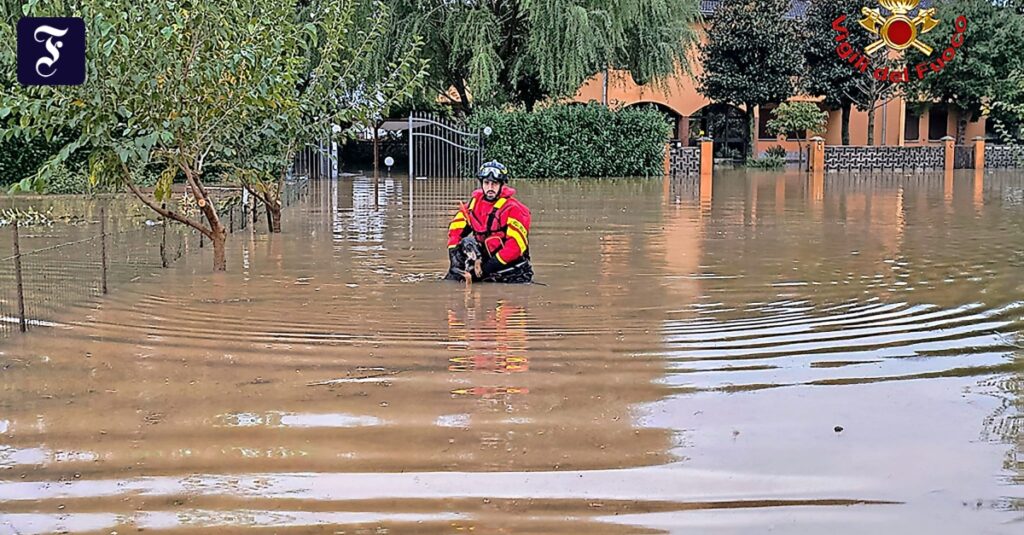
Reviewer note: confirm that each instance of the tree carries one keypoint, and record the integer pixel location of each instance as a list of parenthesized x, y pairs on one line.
[(523, 51), (176, 84), (752, 56), (798, 117), (827, 75), (981, 67), (1007, 110), (869, 93)]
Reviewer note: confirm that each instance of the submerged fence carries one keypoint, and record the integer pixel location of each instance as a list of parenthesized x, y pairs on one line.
[(42, 273)]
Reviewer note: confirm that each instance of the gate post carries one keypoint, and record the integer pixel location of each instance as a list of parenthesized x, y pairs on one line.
[(22, 324), (949, 149), (979, 152), (817, 154), (410, 145), (707, 156)]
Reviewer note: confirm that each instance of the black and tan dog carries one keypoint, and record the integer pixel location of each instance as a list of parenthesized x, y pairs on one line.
[(466, 261)]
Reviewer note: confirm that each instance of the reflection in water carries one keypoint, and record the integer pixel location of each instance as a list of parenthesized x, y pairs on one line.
[(806, 352)]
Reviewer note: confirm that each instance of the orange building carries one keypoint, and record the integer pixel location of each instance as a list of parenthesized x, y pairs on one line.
[(691, 112)]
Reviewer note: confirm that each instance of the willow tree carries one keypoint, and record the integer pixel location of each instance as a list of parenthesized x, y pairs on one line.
[(523, 51)]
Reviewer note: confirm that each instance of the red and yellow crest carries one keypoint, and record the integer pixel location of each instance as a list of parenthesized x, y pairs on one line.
[(898, 31)]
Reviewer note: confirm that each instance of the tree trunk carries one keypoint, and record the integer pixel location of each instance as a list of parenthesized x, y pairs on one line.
[(275, 216), (376, 150), (750, 131), (961, 126), (220, 262), (871, 126), (460, 88), (846, 123)]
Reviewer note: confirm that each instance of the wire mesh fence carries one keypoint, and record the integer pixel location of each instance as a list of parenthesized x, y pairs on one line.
[(44, 270)]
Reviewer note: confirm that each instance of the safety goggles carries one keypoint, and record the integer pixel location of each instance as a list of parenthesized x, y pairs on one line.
[(490, 172)]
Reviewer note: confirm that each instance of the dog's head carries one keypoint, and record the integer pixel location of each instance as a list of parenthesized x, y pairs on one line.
[(471, 248)]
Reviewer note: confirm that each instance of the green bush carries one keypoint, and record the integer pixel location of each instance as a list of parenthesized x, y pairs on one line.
[(776, 150), (65, 181), (576, 141), (768, 162), (20, 159)]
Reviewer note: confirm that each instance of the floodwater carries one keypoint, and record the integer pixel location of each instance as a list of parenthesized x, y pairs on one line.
[(773, 353)]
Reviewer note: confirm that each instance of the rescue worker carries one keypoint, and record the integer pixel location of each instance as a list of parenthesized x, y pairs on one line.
[(500, 225)]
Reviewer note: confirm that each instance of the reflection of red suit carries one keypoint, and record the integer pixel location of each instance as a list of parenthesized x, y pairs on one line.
[(497, 345), (502, 226)]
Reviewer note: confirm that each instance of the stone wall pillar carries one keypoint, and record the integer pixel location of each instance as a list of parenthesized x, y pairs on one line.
[(817, 163), (707, 156), (949, 146), (979, 152)]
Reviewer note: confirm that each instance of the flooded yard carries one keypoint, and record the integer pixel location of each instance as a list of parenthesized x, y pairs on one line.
[(770, 353)]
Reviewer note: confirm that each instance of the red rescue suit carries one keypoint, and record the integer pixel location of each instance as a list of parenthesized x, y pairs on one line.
[(502, 226)]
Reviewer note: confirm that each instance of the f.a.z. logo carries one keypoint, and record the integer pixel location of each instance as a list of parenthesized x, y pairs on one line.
[(51, 51)]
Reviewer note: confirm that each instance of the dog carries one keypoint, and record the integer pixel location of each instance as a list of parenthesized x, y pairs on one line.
[(467, 261)]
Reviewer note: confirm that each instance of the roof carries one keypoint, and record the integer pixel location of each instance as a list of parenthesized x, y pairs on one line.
[(797, 9)]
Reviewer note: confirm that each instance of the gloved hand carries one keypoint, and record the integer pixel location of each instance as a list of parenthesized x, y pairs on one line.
[(492, 266)]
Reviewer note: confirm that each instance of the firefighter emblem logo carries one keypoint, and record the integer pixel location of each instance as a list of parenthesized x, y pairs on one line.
[(898, 31)]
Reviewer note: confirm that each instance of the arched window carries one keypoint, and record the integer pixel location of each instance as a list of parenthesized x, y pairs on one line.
[(725, 124)]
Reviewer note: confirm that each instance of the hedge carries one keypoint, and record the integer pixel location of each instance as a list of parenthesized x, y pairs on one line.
[(576, 140)]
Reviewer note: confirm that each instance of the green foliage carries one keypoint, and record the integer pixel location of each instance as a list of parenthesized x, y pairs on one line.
[(776, 151), (344, 79), (65, 181), (20, 159), (798, 117), (1006, 112), (522, 51), (768, 162), (984, 65), (751, 55), (185, 85), (576, 141), (173, 82), (826, 74)]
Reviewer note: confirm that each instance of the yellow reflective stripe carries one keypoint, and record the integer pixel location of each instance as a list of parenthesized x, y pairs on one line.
[(500, 202), (459, 216), (519, 238), (454, 245), (457, 225), (515, 226), (498, 256), (472, 203)]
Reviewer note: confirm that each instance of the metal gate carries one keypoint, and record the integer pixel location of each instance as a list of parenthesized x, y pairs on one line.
[(440, 148), (963, 157)]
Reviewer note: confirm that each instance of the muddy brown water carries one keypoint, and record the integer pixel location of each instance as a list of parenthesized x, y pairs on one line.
[(774, 353)]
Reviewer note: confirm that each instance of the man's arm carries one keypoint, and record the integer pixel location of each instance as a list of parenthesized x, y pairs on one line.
[(457, 228), (517, 222)]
